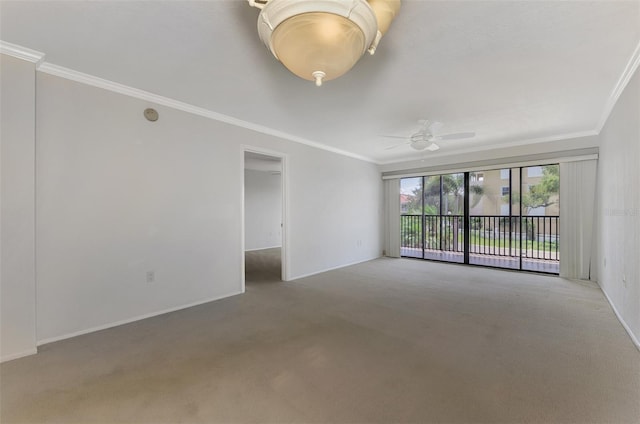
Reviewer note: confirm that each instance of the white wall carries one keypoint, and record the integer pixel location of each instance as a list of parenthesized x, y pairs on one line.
[(334, 216), (335, 213), (17, 230), (262, 209), (619, 207), (119, 196)]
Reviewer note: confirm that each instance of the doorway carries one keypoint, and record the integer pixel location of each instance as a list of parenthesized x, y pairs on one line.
[(264, 211)]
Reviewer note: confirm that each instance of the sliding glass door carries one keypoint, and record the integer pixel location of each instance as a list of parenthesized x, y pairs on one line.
[(444, 217), (540, 218), (506, 218), (493, 219), (432, 220), (411, 234)]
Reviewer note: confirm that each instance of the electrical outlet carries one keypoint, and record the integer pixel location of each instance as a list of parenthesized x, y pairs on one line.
[(151, 276)]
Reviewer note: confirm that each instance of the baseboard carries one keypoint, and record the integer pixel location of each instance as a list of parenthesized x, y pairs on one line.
[(19, 355), (262, 248), (297, 277), (634, 339), (137, 318)]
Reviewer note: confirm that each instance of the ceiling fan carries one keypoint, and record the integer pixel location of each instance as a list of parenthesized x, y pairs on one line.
[(425, 138)]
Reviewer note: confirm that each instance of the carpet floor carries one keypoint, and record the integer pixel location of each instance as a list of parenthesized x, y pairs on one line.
[(390, 340)]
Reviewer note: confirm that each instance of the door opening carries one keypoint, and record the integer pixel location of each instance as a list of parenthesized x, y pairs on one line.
[(264, 217)]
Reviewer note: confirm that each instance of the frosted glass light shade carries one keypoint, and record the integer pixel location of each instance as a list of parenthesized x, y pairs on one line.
[(316, 42), (322, 39), (420, 144)]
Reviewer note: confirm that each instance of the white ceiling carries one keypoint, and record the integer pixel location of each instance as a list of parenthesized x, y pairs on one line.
[(510, 71)]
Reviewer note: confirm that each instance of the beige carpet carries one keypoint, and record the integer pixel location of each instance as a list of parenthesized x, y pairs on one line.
[(391, 340), (263, 266)]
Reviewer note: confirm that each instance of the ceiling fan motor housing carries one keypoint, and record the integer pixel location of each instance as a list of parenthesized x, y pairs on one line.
[(421, 136)]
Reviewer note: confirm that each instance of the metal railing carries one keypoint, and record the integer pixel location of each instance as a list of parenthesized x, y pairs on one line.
[(492, 235)]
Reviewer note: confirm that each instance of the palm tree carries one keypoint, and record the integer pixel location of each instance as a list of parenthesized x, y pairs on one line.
[(452, 186)]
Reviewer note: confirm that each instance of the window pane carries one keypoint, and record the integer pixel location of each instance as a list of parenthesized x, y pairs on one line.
[(515, 192), (490, 242), (513, 217), (541, 191), (411, 218), (534, 171), (452, 220), (540, 209), (453, 194), (487, 196), (432, 195), (410, 195)]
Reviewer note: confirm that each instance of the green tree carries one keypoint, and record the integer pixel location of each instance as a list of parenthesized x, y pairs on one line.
[(452, 195), (453, 192), (414, 204), (542, 194)]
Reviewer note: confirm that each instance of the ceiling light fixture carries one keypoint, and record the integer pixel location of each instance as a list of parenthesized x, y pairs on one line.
[(319, 40)]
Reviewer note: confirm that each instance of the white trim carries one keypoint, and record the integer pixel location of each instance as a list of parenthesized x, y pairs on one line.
[(20, 52), (242, 219), (634, 339), (261, 248), (628, 72), (35, 57), (130, 320), (22, 354), (486, 147), (284, 181), (286, 242), (297, 277), (70, 74), (533, 162)]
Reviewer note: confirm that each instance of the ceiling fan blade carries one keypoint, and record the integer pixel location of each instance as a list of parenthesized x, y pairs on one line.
[(456, 136), (433, 147), (396, 145), (395, 136)]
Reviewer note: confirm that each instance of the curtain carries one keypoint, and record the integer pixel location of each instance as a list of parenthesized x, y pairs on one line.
[(577, 205), (392, 217)]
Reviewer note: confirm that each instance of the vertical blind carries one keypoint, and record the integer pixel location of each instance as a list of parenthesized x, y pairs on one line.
[(577, 204), (392, 217)]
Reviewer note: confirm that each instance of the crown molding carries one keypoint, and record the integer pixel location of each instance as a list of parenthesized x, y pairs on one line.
[(632, 66), (70, 74), (492, 164), (20, 52)]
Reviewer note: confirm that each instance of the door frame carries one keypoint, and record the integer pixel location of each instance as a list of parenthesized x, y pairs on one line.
[(284, 181)]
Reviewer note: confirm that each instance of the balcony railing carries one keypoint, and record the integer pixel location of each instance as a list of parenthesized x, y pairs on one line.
[(490, 235)]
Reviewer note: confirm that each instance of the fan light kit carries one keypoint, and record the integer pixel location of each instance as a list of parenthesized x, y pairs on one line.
[(319, 40), (425, 138)]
